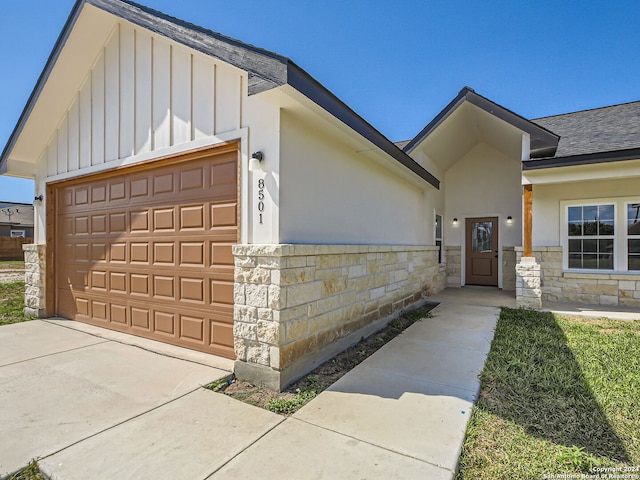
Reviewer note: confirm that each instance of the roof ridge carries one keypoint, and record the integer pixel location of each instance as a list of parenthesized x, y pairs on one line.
[(586, 110), (208, 31)]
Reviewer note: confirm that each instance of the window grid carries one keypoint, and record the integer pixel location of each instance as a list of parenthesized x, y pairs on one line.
[(591, 230), (633, 235), (438, 236)]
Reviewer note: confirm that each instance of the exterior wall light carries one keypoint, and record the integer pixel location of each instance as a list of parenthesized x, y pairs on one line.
[(509, 220), (255, 161), (455, 220), (38, 198)]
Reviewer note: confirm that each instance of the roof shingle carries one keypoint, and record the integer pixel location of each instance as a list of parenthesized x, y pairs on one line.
[(603, 129)]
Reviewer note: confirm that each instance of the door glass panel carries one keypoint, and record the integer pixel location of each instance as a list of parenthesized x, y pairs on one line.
[(481, 237)]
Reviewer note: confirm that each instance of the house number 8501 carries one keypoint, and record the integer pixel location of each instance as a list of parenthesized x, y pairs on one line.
[(260, 199)]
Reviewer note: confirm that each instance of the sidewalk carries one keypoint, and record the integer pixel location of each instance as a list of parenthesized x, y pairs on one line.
[(402, 413)]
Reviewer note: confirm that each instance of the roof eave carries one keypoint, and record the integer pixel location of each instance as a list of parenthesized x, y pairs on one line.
[(40, 83), (266, 70), (542, 141), (313, 90), (583, 159)]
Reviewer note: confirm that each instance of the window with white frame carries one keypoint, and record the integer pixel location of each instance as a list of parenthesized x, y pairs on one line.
[(591, 230), (633, 236), (602, 235), (438, 231)]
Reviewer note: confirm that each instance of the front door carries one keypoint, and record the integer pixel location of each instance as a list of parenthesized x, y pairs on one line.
[(481, 251)]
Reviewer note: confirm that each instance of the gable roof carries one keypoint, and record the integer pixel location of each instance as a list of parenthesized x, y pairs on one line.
[(266, 70), (542, 141), (593, 136)]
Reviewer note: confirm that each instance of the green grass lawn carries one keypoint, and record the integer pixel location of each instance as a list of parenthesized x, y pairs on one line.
[(558, 396), (11, 303)]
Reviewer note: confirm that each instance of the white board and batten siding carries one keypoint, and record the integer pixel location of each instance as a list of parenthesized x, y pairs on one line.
[(143, 95)]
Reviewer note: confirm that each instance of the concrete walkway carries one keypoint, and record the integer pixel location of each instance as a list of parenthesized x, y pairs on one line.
[(93, 407)]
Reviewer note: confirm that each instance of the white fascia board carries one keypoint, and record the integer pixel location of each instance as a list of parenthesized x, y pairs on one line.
[(580, 173)]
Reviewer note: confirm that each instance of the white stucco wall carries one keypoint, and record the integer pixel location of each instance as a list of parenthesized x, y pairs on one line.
[(331, 194), (547, 198), (484, 182)]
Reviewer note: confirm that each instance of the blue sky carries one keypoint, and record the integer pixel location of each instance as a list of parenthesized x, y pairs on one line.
[(395, 62)]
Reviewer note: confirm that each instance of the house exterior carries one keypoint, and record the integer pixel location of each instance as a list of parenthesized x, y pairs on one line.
[(16, 220), (213, 195)]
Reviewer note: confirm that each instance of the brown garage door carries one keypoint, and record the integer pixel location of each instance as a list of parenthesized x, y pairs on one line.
[(147, 250)]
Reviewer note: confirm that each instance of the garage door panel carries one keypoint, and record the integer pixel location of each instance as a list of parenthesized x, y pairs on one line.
[(99, 193), (139, 253), (119, 314), (192, 329), (223, 214), (139, 187), (221, 254), (99, 280), (99, 224), (117, 223), (192, 178), (118, 282), (99, 311), (192, 290), (191, 217), (149, 252), (98, 253), (139, 221), (81, 196), (118, 253), (164, 254), (140, 319), (192, 254), (164, 287), (117, 190), (164, 220), (164, 183), (221, 292), (81, 225), (164, 323), (221, 337), (140, 284)]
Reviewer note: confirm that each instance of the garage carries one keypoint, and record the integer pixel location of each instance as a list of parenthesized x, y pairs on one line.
[(146, 250)]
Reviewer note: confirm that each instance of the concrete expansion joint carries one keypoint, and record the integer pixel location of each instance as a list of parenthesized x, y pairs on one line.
[(373, 444), (247, 447), (116, 425), (53, 354)]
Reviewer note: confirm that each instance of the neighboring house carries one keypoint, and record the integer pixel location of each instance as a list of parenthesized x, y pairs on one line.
[(16, 220), (213, 195)]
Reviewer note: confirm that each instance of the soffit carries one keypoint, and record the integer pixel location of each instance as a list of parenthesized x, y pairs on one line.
[(83, 46), (463, 129)]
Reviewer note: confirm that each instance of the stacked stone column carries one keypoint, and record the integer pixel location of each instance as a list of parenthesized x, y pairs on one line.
[(35, 280)]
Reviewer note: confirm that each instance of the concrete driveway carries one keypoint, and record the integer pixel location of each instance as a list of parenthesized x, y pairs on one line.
[(90, 405), (60, 386)]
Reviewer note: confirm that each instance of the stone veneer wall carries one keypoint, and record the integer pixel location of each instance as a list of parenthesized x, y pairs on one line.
[(298, 305), (454, 266), (590, 288), (34, 279), (508, 269)]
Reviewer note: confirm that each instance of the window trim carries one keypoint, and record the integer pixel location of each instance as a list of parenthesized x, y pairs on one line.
[(627, 236), (441, 259), (620, 236)]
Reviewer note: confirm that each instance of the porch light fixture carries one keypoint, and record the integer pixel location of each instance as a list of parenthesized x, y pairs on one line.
[(38, 198), (455, 220), (509, 219), (255, 161)]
